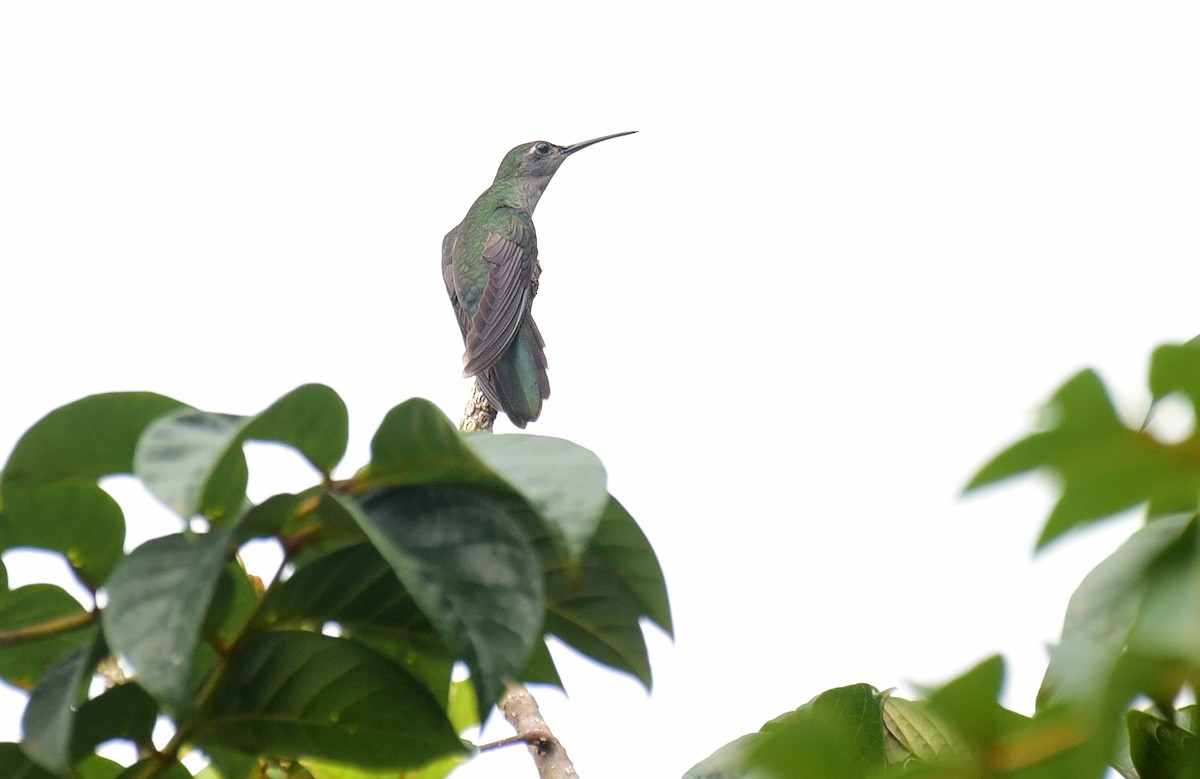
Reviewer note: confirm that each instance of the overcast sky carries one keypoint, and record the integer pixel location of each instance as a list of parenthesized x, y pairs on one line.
[(852, 249)]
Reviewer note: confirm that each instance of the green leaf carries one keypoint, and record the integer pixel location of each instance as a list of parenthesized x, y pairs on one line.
[(465, 561), (84, 440), (49, 715), (307, 523), (300, 693), (80, 521), (1105, 467), (158, 598), (14, 764), (563, 482), (597, 607), (193, 461), (23, 662), (969, 703), (1168, 621), (1176, 368), (839, 734), (356, 588), (1161, 749), (158, 770), (1101, 615), (96, 767), (416, 444), (920, 733), (620, 543), (125, 711)]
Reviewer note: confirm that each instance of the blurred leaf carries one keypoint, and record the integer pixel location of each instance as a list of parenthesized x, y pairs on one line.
[(81, 521), (300, 693), (172, 770), (22, 663), (969, 703), (838, 734), (158, 598), (1168, 620), (466, 563), (730, 761), (193, 461), (541, 669), (49, 715), (84, 440), (1105, 467), (921, 733), (125, 711), (1101, 614), (1176, 368), (97, 767), (1161, 749), (14, 764), (562, 481)]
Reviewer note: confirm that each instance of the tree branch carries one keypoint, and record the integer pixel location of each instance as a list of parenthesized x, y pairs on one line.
[(522, 712)]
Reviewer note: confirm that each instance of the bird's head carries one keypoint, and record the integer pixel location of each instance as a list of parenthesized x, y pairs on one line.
[(540, 159)]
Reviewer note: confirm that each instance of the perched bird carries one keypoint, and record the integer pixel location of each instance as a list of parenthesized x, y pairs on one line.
[(490, 266)]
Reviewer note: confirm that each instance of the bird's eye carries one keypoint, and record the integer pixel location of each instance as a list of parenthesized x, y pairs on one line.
[(542, 148)]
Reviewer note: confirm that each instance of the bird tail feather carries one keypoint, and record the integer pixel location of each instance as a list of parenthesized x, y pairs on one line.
[(518, 383)]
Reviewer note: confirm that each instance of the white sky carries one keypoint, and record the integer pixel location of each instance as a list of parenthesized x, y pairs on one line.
[(851, 251)]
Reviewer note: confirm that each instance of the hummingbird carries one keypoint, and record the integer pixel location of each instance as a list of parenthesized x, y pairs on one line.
[(490, 266)]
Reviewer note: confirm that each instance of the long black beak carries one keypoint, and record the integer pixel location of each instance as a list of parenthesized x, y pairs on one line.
[(583, 145)]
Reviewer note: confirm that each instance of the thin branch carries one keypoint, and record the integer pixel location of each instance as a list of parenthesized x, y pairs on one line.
[(50, 627)]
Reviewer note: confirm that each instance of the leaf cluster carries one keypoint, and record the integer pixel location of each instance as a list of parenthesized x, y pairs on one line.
[(445, 549), (1130, 646)]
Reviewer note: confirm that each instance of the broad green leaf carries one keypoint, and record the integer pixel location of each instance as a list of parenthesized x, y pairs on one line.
[(85, 440), (193, 460), (465, 561), (158, 598), (416, 444), (623, 547), (14, 764), (81, 521), (920, 733), (597, 607), (592, 611), (541, 669), (356, 588), (50, 713), (24, 661), (305, 694), (125, 711), (1160, 748), (1104, 466), (837, 734), (1101, 615), (563, 482)]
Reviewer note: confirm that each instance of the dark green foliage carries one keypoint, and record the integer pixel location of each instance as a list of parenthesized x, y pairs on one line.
[(444, 548)]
